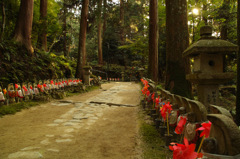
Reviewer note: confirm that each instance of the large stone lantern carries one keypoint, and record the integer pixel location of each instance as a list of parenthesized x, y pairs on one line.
[(208, 54)]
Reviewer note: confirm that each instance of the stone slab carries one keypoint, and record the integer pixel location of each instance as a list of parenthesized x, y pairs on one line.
[(30, 148), (63, 140), (25, 155)]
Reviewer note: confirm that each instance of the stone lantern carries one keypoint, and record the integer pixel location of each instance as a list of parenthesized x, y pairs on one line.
[(208, 54), (86, 75)]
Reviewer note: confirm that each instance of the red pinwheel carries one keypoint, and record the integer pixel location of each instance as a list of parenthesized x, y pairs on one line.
[(163, 111), (56, 83), (51, 82), (157, 101), (180, 125), (16, 86), (167, 107), (39, 86), (144, 90), (205, 129), (185, 151), (205, 132), (153, 96), (145, 82), (31, 87), (25, 89), (44, 85), (148, 93)]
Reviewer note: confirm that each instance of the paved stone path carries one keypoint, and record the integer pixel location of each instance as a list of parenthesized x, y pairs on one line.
[(80, 119)]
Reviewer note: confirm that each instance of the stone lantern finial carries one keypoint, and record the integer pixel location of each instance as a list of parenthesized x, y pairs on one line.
[(206, 31)]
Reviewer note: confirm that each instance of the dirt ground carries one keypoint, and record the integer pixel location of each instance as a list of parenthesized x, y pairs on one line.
[(111, 133)]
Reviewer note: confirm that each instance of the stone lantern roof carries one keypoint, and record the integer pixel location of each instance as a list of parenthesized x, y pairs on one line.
[(209, 44)]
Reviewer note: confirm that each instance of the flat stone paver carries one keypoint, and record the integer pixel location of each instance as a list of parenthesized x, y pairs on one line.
[(25, 155), (30, 148), (63, 140)]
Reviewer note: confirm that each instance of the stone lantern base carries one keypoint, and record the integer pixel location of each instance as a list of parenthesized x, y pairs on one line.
[(208, 94)]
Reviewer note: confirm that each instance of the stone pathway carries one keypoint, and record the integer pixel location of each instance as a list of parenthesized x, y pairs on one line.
[(82, 116)]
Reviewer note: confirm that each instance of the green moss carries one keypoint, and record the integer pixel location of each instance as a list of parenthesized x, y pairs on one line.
[(16, 107), (152, 144)]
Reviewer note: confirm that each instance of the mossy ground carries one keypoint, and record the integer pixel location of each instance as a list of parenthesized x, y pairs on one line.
[(152, 145), (16, 107)]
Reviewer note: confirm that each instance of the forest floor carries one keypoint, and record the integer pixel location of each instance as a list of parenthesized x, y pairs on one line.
[(74, 128)]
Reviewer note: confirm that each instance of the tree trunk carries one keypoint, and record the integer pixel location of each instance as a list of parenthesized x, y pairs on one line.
[(204, 14), (105, 16), (153, 41), (224, 32), (238, 68), (141, 27), (42, 37), (65, 29), (122, 20), (23, 28), (3, 21), (122, 31), (224, 26), (100, 58), (225, 12), (81, 61), (177, 40)]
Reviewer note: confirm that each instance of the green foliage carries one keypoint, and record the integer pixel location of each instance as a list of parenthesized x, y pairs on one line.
[(17, 66), (138, 46), (16, 107)]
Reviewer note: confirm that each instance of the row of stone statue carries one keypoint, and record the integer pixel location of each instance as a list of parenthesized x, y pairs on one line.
[(224, 134), (27, 90)]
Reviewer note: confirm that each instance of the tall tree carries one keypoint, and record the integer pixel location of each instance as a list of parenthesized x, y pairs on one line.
[(224, 12), (23, 28), (42, 37), (238, 68), (100, 57), (177, 40), (153, 40), (3, 20), (104, 16), (81, 60), (65, 28), (122, 21)]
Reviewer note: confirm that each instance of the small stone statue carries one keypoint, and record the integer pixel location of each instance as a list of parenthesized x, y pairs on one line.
[(11, 93), (2, 98), (210, 145)]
